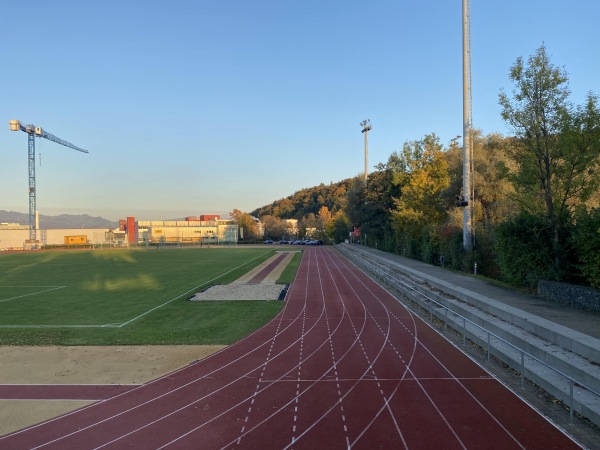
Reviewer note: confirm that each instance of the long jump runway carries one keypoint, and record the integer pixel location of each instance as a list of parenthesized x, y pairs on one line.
[(344, 365)]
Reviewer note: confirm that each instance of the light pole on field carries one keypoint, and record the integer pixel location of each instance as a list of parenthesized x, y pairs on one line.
[(467, 127), (366, 127)]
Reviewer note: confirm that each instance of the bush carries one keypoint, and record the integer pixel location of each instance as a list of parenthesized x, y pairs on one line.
[(524, 250), (484, 253), (586, 242), (451, 247), (430, 245)]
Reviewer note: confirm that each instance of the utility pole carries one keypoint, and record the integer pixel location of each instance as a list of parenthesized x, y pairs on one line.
[(467, 216), (366, 127)]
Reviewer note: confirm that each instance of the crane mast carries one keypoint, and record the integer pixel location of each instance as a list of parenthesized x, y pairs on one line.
[(33, 132)]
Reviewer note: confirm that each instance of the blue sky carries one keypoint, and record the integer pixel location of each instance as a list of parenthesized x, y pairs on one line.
[(198, 107)]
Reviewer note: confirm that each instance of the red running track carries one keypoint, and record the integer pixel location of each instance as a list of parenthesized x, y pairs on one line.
[(344, 365)]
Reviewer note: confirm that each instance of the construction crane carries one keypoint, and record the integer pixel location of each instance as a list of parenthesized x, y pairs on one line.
[(33, 132)]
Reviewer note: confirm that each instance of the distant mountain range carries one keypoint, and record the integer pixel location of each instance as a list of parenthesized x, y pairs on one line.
[(57, 222)]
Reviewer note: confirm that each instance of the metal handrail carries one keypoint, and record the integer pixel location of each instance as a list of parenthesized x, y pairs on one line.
[(571, 380)]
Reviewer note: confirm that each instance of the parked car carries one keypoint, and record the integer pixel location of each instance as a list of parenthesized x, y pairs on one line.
[(268, 241), (314, 242)]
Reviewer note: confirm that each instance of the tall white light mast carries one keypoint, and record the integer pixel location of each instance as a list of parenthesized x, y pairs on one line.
[(466, 34), (366, 127)]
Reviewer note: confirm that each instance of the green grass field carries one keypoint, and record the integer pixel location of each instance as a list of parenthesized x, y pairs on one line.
[(128, 297)]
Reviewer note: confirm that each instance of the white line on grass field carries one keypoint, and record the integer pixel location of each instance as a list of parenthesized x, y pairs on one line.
[(187, 292), (53, 288), (60, 326)]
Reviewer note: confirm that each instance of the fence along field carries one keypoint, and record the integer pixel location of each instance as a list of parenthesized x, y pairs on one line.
[(110, 297)]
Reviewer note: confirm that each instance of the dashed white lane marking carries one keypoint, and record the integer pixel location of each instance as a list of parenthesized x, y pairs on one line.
[(299, 377), (370, 363), (334, 364), (264, 367), (408, 369)]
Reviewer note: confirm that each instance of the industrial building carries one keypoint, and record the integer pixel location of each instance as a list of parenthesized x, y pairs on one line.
[(201, 230), (14, 236), (208, 229)]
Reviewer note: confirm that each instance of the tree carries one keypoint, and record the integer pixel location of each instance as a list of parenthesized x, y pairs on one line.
[(340, 227), (307, 226), (274, 227), (423, 178), (355, 206), (324, 223), (379, 196), (556, 147), (246, 223), (492, 200)]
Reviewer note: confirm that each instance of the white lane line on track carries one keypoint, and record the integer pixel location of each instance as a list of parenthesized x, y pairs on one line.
[(416, 340), (466, 390), (343, 277), (391, 413), (264, 367), (370, 364), (358, 335), (294, 427), (337, 378), (418, 380), (262, 390), (408, 370), (306, 390), (489, 413)]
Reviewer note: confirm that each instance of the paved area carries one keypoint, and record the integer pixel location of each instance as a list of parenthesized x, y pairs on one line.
[(582, 321)]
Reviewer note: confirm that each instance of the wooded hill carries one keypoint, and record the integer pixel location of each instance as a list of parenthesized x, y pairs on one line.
[(535, 202), (308, 201)]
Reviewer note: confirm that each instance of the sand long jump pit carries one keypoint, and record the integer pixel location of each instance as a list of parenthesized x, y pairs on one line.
[(257, 284)]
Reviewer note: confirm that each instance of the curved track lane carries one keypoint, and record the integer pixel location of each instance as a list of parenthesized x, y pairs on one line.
[(344, 365)]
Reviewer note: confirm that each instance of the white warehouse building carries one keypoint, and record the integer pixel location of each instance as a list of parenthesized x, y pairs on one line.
[(203, 230)]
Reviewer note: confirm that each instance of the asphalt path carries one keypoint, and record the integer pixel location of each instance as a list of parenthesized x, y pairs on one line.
[(344, 365)]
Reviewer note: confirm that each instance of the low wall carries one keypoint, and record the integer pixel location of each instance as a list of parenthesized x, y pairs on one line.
[(579, 297)]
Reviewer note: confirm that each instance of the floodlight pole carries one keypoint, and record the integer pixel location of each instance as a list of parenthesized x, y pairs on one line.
[(366, 127), (467, 216)]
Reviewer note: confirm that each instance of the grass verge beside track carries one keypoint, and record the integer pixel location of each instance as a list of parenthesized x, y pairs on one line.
[(289, 273), (127, 297)]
